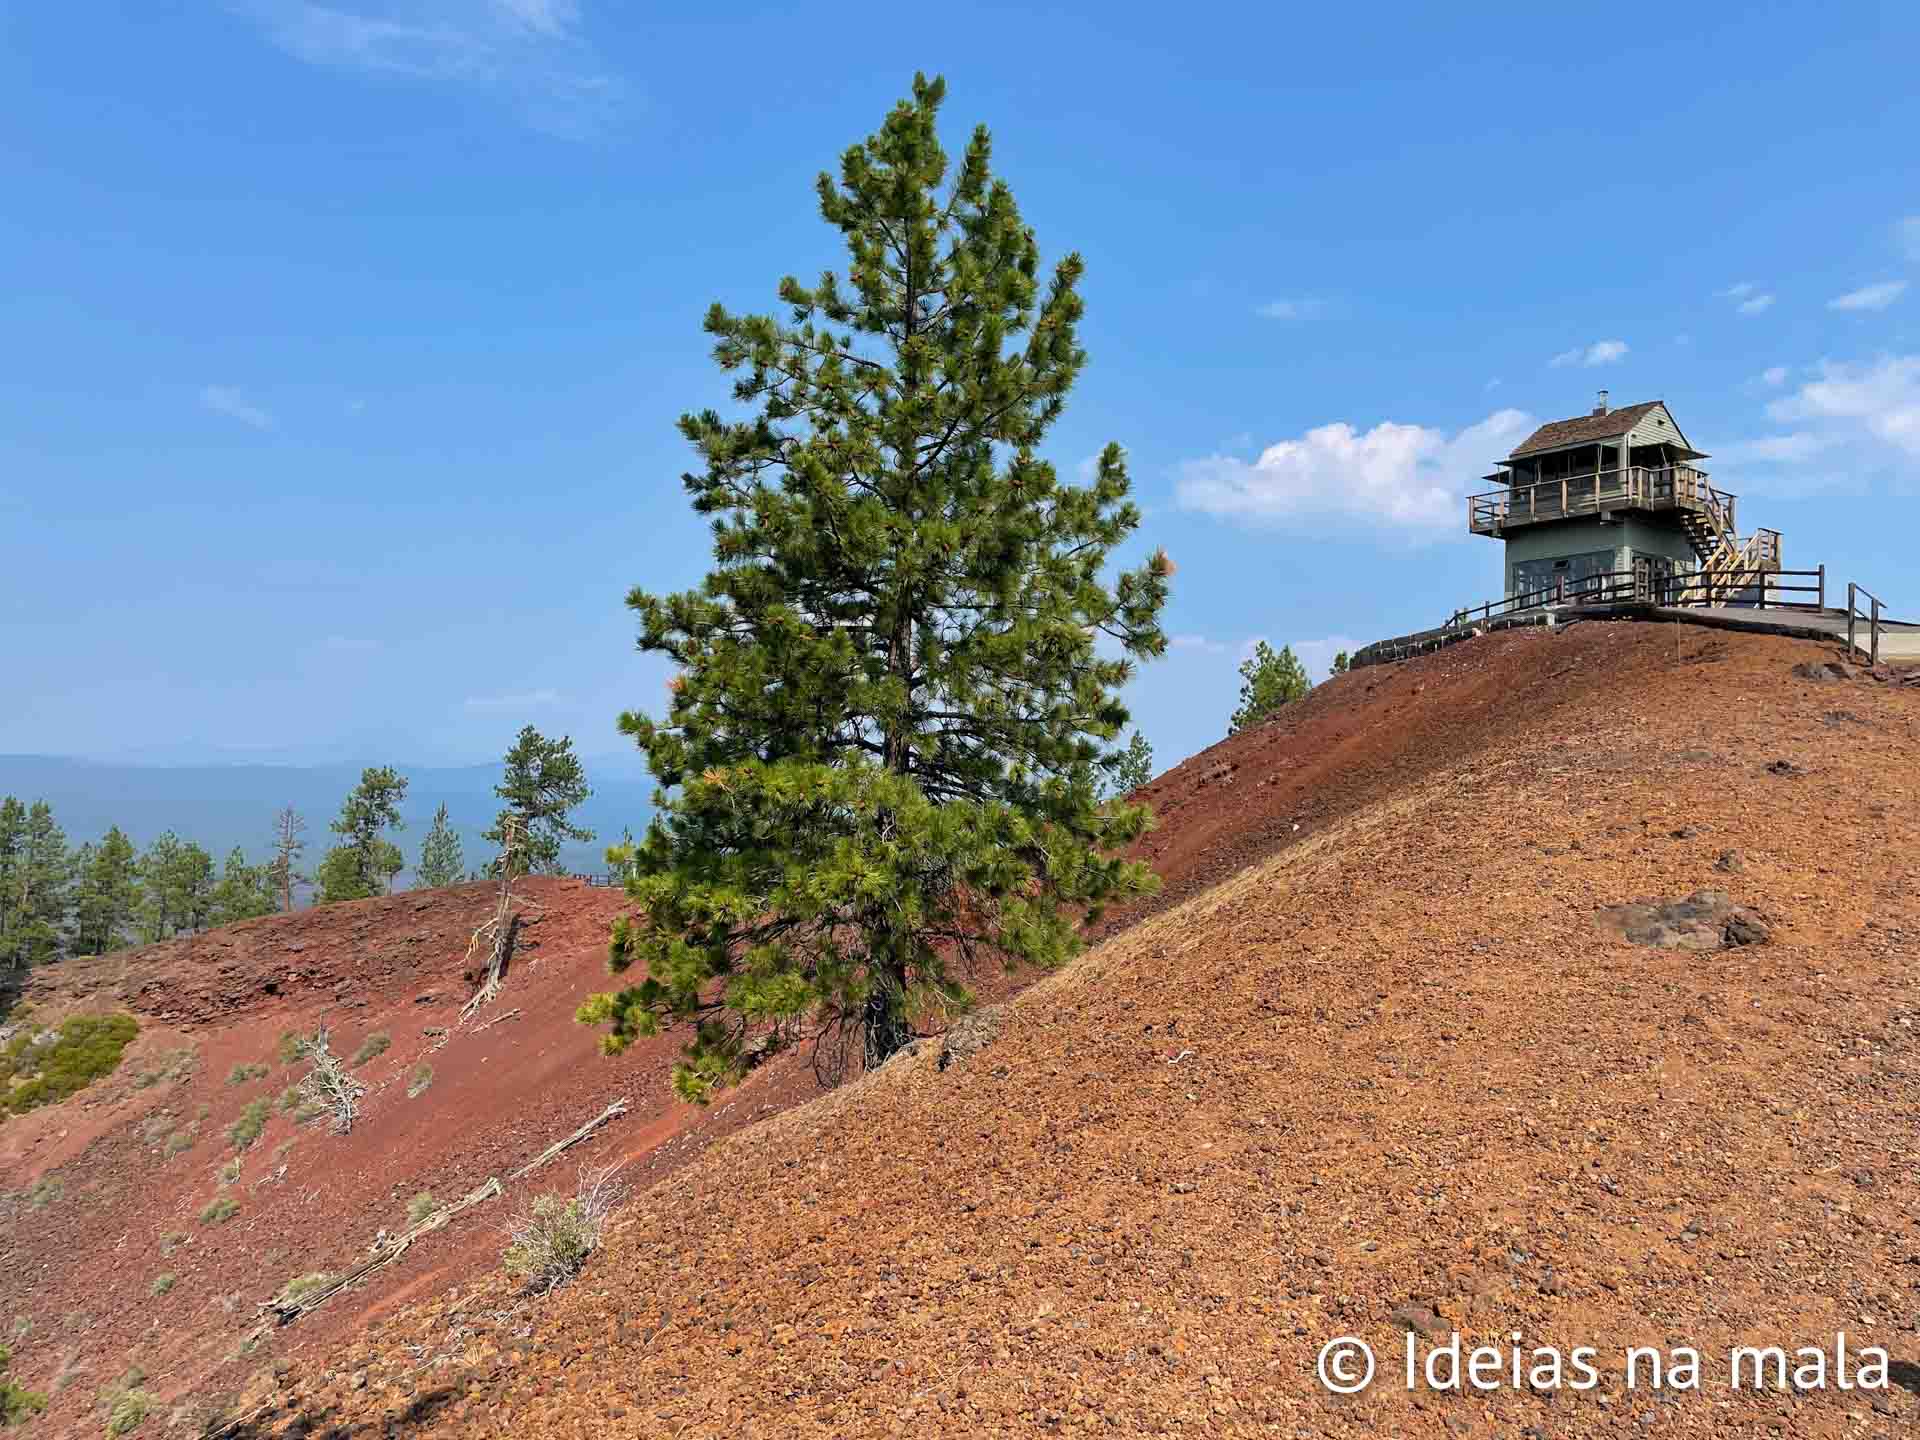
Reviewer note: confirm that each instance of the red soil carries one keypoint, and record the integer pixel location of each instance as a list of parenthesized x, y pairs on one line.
[(909, 1251)]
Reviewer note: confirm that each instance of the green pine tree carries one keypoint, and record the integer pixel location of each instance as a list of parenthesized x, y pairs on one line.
[(176, 880), (1132, 767), (1267, 681), (441, 862), (36, 872), (364, 816), (877, 765), (13, 842), (244, 890), (543, 782), (1342, 663), (108, 897)]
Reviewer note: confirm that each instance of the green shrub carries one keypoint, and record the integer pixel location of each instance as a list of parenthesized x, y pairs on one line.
[(125, 1402), (418, 1082), (292, 1048), (244, 1131), (162, 1283), (289, 1099), (173, 1240), (17, 1404), (46, 1191), (421, 1206), (241, 1074), (374, 1044), (45, 1068), (230, 1171), (180, 1140), (220, 1211)]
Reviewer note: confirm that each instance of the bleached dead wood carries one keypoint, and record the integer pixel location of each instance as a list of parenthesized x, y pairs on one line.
[(286, 1312)]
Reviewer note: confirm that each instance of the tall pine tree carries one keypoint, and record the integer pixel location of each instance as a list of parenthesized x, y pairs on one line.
[(283, 870), (370, 860), (107, 897), (243, 891), (36, 875), (441, 862), (878, 764)]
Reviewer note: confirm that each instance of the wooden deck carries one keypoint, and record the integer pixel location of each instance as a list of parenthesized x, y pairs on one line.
[(1674, 487)]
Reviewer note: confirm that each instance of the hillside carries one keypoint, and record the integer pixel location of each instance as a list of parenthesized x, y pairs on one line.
[(1371, 1048), (1396, 1072)]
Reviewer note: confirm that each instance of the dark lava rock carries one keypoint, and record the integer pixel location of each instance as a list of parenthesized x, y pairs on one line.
[(1705, 920), (1731, 862)]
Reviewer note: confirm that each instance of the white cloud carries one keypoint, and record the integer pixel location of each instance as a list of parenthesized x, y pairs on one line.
[(528, 53), (228, 401), (1877, 402), (1196, 642), (1870, 297), (1407, 475), (527, 700), (1601, 352), (1748, 298), (1494, 384), (1777, 449), (1289, 309), (1774, 376)]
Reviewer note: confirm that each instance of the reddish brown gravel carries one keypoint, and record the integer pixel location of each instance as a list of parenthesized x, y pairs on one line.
[(1370, 1060)]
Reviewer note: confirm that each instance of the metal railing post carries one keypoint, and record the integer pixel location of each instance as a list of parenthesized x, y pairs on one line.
[(1823, 586), (1851, 587), (1873, 632)]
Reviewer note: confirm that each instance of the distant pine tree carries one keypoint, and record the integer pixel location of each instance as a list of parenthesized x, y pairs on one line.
[(244, 890), (441, 862), (108, 895), (543, 782), (365, 815), (36, 870), (283, 871), (878, 759), (1133, 766), (1268, 681)]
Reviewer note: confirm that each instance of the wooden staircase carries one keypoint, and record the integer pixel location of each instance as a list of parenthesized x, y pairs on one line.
[(1723, 554)]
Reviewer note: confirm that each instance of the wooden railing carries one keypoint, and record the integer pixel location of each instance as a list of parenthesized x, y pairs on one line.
[(1636, 488), (1871, 615), (1755, 588)]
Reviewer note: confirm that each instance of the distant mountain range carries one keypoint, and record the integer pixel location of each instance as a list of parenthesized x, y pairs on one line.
[(221, 806)]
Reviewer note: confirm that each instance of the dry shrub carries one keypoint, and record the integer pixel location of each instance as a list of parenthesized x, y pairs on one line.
[(374, 1044), (550, 1240), (329, 1088)]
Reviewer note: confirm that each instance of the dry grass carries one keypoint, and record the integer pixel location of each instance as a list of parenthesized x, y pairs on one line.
[(374, 1045), (550, 1240)]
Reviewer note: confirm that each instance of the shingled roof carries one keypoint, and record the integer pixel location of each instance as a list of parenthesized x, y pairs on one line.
[(1583, 429)]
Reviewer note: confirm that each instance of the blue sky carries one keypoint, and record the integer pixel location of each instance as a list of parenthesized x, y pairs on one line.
[(344, 342)]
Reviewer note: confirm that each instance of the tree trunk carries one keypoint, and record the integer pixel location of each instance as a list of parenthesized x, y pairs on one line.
[(884, 1022)]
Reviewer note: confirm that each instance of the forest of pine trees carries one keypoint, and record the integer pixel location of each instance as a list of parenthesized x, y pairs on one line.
[(57, 900)]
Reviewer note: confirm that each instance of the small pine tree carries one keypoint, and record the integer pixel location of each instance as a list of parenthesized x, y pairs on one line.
[(1342, 663), (543, 782), (1133, 766), (365, 815), (108, 895), (1267, 681), (13, 843), (441, 862), (878, 762)]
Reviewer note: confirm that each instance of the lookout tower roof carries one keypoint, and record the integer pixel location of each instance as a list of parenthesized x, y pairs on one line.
[(1649, 423)]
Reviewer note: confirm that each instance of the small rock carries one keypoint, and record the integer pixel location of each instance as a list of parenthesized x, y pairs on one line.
[(1685, 832), (974, 1032), (1731, 862), (1785, 768), (1416, 1317)]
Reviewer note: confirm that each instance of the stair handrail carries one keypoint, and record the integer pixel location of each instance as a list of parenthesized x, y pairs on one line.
[(1872, 617)]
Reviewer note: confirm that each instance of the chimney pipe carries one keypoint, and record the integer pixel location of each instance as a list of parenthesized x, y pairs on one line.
[(1600, 406)]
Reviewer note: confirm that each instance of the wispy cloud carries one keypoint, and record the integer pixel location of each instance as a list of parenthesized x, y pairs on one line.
[(228, 401), (1774, 376), (526, 700), (1601, 352), (1298, 309), (1196, 642), (1870, 297), (1748, 298), (530, 54), (1410, 476), (1877, 400)]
